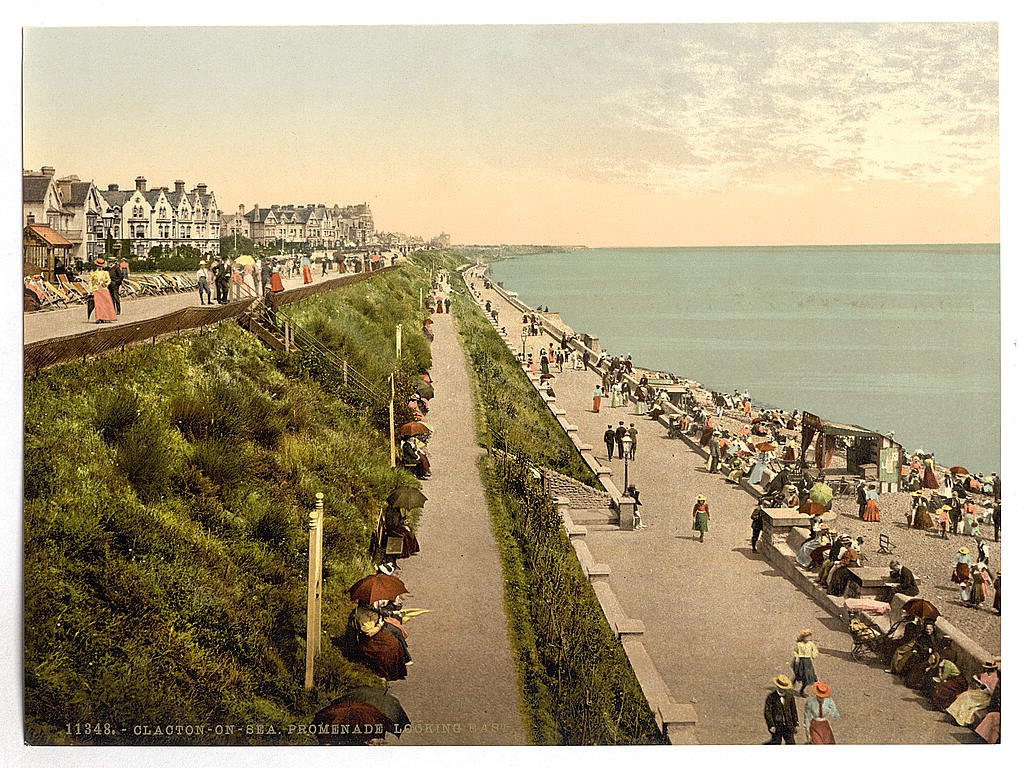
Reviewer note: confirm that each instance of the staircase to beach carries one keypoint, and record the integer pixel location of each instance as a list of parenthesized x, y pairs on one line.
[(588, 506)]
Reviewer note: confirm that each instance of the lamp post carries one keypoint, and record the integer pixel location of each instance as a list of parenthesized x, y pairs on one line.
[(526, 333), (627, 443)]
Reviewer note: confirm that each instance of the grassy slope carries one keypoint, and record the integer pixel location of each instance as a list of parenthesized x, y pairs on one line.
[(167, 490)]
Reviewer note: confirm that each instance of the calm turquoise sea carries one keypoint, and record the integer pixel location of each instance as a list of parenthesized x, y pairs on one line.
[(902, 338)]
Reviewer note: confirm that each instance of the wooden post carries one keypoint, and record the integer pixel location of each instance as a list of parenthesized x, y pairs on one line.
[(344, 372), (398, 340), (391, 419), (313, 587)]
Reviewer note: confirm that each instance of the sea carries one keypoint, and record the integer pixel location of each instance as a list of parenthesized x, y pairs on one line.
[(901, 338)]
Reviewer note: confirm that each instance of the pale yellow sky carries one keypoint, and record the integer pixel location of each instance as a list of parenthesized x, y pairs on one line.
[(623, 135)]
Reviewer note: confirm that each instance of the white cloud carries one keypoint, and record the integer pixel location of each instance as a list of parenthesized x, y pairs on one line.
[(852, 103)]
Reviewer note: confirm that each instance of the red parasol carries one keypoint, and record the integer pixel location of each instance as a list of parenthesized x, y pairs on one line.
[(959, 471), (766, 447), (413, 428), (812, 508), (921, 608), (377, 586)]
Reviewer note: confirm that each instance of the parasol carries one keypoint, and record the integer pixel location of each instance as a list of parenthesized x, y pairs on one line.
[(812, 508), (921, 608), (245, 260), (544, 376), (820, 493), (959, 471), (406, 498), (413, 428), (362, 709), (766, 447), (377, 586)]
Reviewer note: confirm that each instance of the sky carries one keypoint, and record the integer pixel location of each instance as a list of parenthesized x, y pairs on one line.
[(643, 135)]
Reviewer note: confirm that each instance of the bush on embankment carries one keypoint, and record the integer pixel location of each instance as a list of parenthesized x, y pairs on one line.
[(167, 490), (576, 678)]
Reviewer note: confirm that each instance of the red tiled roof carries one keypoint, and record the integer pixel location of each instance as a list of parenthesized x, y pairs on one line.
[(49, 236)]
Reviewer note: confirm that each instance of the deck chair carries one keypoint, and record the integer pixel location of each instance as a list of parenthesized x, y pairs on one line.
[(75, 290), (60, 294)]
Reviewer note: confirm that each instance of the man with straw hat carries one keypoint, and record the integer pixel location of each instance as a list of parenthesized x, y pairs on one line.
[(780, 713), (817, 712)]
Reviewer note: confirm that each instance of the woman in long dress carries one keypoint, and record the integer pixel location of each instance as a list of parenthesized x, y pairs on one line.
[(871, 505), (962, 568), (922, 517), (597, 399), (804, 653), (99, 298), (969, 705), (701, 515), (930, 481), (817, 713), (946, 683)]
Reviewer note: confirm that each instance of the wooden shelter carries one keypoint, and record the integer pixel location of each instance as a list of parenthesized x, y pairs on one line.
[(869, 454), (45, 248)]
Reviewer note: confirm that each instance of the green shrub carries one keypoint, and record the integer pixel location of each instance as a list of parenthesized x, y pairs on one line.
[(115, 413)]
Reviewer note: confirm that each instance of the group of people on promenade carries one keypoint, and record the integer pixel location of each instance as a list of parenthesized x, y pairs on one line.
[(105, 280), (781, 715)]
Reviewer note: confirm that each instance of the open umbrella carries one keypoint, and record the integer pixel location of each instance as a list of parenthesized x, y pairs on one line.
[(812, 508), (413, 428), (361, 709), (766, 447), (428, 321), (377, 586), (406, 498), (959, 471), (921, 608), (424, 390), (820, 493), (245, 260), (544, 376)]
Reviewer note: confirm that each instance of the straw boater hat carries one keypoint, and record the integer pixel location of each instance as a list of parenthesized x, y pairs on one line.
[(101, 262), (990, 665), (782, 683), (805, 633), (821, 690), (946, 507), (964, 551), (701, 498)]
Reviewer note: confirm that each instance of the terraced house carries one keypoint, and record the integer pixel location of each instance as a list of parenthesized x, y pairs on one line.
[(312, 224), (162, 217), (69, 206)]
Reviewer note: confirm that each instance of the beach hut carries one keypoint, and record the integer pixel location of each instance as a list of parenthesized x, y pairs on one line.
[(869, 454)]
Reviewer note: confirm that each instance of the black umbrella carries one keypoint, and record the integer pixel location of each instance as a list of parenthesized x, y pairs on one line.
[(406, 498), (424, 390), (361, 709)]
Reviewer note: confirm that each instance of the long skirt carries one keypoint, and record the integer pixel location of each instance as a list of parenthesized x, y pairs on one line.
[(922, 519), (988, 728), (871, 512), (961, 574), (757, 472), (930, 480), (276, 285), (968, 706), (384, 654), (901, 656), (597, 403), (104, 305), (915, 672), (307, 275), (945, 693), (821, 732), (803, 671), (700, 522)]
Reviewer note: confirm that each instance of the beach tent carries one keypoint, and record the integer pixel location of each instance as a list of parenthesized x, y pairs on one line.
[(869, 454)]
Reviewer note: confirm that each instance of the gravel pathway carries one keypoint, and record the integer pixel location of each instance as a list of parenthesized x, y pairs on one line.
[(720, 621), (463, 688)]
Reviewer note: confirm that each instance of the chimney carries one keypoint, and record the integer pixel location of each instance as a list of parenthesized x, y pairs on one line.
[(140, 183), (179, 186), (31, 219), (47, 170), (112, 188), (201, 188), (164, 189), (241, 209)]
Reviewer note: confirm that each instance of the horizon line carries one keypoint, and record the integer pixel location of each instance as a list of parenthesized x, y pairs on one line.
[(783, 245)]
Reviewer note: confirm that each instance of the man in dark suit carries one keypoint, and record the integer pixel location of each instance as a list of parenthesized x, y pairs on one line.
[(116, 279), (620, 433), (780, 713), (221, 277), (609, 440)]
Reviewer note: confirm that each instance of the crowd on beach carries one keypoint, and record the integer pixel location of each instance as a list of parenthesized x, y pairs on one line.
[(762, 449)]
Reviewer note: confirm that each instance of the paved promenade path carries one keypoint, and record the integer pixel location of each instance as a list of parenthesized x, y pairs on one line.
[(720, 621), (463, 673), (51, 324)]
